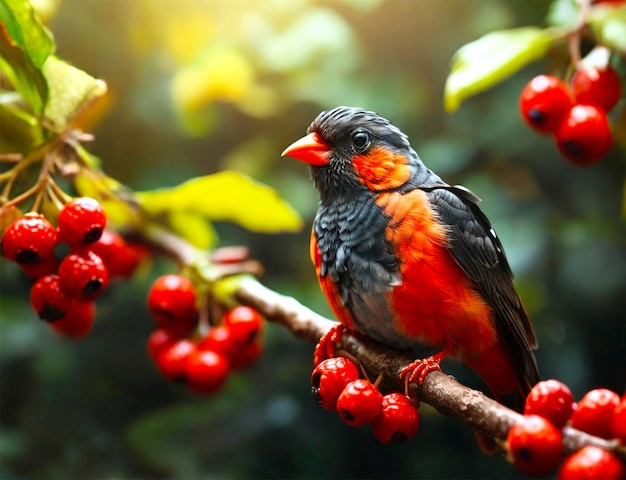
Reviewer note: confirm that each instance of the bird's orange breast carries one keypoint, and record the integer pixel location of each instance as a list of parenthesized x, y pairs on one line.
[(435, 303)]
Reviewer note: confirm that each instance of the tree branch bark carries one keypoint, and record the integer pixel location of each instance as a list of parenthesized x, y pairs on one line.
[(439, 390)]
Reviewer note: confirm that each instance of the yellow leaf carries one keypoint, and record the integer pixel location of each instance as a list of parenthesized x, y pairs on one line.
[(225, 196), (70, 90), (193, 227), (220, 74)]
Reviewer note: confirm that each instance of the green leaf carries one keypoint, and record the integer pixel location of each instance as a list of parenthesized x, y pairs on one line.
[(25, 78), (608, 24), (20, 21), (225, 196), (492, 58), (70, 89)]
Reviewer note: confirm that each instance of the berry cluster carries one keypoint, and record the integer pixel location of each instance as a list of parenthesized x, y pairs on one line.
[(66, 286), (337, 386), (203, 364), (576, 114), (536, 442)]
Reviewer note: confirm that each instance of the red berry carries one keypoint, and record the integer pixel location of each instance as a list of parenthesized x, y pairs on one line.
[(48, 300), (158, 340), (535, 444), (119, 257), (550, 399), (83, 275), (544, 101), (591, 463), (594, 412), (584, 136), (617, 427), (245, 323), (78, 321), (592, 86), (206, 371), (246, 355), (172, 359), (329, 378), (81, 220), (29, 240), (172, 303), (397, 421), (359, 403), (220, 339)]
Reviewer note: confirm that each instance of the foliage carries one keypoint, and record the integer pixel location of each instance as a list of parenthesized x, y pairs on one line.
[(198, 87)]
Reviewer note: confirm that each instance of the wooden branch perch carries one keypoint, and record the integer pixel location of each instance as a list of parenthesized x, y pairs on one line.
[(439, 390)]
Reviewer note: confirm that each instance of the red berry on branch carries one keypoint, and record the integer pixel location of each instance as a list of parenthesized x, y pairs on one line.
[(206, 371), (29, 240), (359, 403), (81, 220), (172, 359), (220, 339), (79, 320), (584, 136), (83, 275), (594, 412), (544, 102), (119, 257), (591, 463), (329, 378), (246, 355), (535, 445), (245, 324), (172, 303), (48, 300), (397, 421), (599, 87), (158, 340), (550, 399), (617, 427)]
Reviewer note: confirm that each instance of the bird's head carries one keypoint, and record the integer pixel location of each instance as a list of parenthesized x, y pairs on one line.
[(350, 148)]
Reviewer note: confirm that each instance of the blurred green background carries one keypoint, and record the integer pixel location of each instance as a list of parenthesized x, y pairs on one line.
[(205, 85)]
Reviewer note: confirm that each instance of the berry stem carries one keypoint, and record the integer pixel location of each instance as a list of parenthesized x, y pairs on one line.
[(575, 35)]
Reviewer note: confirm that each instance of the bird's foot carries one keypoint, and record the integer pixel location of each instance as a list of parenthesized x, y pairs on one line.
[(327, 345), (415, 372)]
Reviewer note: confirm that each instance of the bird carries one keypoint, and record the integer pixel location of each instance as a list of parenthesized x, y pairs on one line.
[(410, 261)]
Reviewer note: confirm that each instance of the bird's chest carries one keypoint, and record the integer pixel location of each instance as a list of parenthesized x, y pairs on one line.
[(352, 248)]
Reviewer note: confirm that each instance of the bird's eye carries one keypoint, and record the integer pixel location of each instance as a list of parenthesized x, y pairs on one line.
[(360, 140)]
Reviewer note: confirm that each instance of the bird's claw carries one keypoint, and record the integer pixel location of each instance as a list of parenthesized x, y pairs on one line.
[(415, 372), (327, 345)]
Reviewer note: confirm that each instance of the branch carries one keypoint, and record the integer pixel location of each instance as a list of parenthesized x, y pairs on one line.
[(439, 390)]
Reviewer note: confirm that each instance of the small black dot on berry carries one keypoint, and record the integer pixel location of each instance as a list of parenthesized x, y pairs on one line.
[(28, 257), (315, 380), (525, 454), (536, 116), (399, 437), (50, 313), (573, 148), (347, 415), (92, 287), (93, 235)]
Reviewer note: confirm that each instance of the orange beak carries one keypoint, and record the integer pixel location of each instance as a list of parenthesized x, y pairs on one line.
[(310, 149)]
